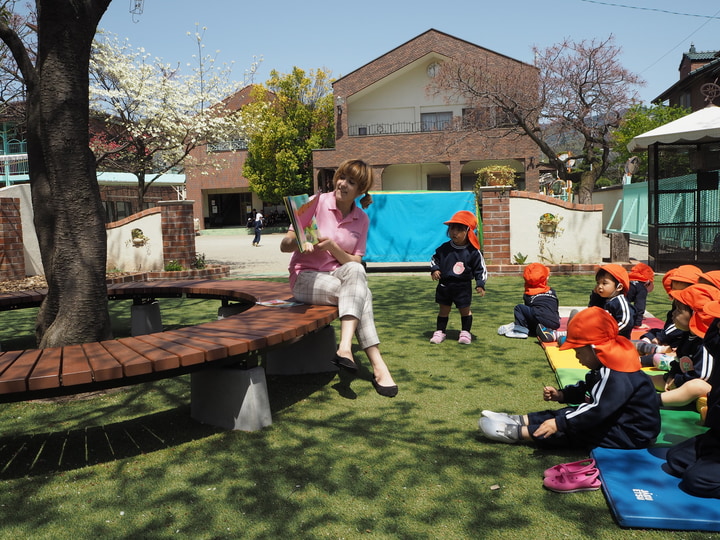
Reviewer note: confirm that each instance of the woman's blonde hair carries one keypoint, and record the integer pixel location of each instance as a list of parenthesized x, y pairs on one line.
[(361, 173)]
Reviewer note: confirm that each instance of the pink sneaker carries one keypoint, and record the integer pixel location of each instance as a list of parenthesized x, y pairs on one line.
[(573, 482), (465, 337), (438, 337)]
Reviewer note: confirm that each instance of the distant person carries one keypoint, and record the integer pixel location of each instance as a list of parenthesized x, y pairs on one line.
[(540, 305), (455, 265), (642, 282), (258, 227)]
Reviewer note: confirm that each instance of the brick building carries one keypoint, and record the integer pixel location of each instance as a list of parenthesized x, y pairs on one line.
[(385, 116), (696, 70)]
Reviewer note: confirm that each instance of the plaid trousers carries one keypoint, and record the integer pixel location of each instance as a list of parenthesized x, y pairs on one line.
[(345, 287)]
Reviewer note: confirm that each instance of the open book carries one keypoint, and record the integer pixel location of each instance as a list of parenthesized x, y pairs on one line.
[(301, 210)]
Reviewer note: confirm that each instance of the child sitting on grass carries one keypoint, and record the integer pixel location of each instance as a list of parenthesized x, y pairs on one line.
[(688, 377), (540, 305), (617, 403)]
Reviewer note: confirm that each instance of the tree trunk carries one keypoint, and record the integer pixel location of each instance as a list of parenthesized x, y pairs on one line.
[(587, 184), (68, 213)]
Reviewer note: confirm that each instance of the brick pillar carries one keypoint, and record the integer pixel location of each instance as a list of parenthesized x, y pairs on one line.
[(178, 232), (496, 226), (12, 253)]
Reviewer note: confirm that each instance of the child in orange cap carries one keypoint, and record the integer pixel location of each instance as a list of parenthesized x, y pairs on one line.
[(697, 460), (617, 403), (540, 305), (610, 293), (454, 265), (688, 377), (669, 336), (642, 280)]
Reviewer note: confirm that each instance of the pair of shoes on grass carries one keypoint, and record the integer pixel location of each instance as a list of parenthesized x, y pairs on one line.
[(513, 330), (501, 427), (546, 335), (439, 336), (572, 477)]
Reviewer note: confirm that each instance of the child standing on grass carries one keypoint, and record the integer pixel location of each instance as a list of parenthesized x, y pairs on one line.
[(642, 282), (617, 403), (540, 305), (454, 265)]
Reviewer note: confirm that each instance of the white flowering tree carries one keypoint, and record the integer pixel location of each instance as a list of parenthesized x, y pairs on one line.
[(155, 115)]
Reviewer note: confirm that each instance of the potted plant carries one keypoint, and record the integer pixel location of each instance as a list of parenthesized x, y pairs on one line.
[(138, 237), (548, 223), (495, 175)]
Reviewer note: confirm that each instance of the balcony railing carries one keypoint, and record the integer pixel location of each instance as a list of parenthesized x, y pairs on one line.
[(397, 128), (227, 146)]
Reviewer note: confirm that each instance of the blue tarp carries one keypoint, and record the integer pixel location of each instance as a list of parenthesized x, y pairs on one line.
[(408, 226)]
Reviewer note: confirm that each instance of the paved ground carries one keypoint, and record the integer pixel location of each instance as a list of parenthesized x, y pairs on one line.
[(245, 260)]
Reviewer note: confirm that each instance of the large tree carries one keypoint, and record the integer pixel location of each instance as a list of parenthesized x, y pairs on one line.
[(68, 213), (292, 115), (154, 114), (578, 90)]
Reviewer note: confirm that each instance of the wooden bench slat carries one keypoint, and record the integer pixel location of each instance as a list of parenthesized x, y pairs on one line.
[(75, 366), (104, 366), (132, 364), (46, 371), (160, 359), (211, 350), (187, 355), (14, 378), (234, 344)]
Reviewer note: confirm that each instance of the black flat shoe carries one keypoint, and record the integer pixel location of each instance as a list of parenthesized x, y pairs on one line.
[(345, 363), (385, 391)]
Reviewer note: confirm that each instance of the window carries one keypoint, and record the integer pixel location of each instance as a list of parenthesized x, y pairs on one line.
[(486, 118), (438, 183), (435, 121)]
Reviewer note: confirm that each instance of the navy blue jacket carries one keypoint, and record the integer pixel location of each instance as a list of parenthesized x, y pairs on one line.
[(544, 307), (667, 335), (637, 296), (619, 307), (459, 263), (617, 409)]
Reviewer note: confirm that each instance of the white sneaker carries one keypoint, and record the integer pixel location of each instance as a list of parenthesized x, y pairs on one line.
[(465, 337), (438, 337), (514, 334), (499, 431), (500, 417), (505, 328)]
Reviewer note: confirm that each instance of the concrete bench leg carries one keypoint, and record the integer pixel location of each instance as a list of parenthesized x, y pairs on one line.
[(145, 319), (230, 398), (308, 354)]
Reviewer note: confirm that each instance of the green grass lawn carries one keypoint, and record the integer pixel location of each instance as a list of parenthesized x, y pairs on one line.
[(339, 461)]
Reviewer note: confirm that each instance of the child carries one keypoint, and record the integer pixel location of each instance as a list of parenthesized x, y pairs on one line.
[(612, 284), (454, 265), (540, 305), (641, 283), (617, 403), (697, 460), (668, 338), (688, 377)]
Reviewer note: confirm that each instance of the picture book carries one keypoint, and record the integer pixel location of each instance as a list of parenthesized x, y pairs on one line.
[(301, 210)]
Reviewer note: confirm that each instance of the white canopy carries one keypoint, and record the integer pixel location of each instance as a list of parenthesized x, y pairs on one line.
[(700, 126)]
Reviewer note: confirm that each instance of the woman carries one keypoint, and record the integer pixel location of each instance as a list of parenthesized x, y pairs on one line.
[(331, 273)]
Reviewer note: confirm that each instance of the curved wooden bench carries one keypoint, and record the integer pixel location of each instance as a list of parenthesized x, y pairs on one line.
[(73, 369)]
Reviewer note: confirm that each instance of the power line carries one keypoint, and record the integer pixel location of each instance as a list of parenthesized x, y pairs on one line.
[(652, 9)]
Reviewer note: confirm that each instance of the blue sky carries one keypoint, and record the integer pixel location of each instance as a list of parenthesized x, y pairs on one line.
[(343, 36)]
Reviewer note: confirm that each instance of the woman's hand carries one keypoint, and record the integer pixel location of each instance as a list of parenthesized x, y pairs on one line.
[(342, 256)]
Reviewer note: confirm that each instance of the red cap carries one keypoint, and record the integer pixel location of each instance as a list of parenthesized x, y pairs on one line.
[(619, 273), (595, 326), (535, 275), (641, 272), (467, 218), (686, 273), (712, 278), (696, 297)]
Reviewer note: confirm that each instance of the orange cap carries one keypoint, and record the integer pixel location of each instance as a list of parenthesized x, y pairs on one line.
[(467, 218), (686, 273), (535, 275), (712, 278), (641, 272), (595, 326), (619, 273), (712, 308), (696, 297)]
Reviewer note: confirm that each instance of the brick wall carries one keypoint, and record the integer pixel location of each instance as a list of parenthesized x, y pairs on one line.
[(178, 232), (12, 256)]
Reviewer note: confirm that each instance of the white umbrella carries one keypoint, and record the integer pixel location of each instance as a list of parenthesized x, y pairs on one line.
[(700, 126)]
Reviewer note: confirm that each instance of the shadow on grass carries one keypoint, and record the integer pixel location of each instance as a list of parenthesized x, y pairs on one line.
[(36, 454)]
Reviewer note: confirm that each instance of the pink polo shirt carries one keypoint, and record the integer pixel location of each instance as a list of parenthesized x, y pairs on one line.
[(350, 233)]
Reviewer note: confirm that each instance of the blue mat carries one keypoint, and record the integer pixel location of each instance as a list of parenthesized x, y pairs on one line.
[(642, 495)]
